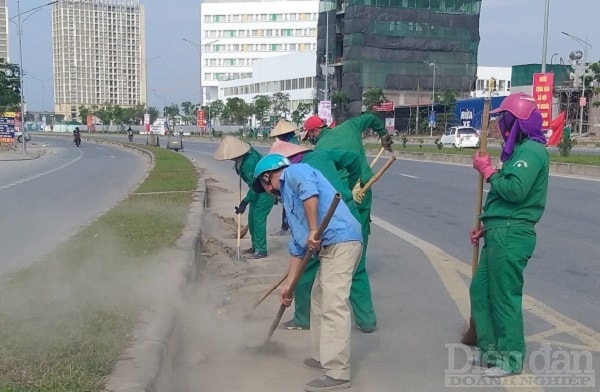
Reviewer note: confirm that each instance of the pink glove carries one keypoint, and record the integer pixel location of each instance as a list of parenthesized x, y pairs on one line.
[(476, 234), (483, 164)]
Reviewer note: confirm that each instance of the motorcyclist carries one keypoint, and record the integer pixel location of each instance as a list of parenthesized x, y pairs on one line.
[(130, 134), (76, 135)]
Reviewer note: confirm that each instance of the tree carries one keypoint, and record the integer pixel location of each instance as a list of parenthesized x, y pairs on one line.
[(262, 104), (171, 112), (281, 103), (447, 98), (373, 97), (153, 113), (104, 114), (236, 110), (84, 112), (189, 111), (10, 87), (300, 113), (595, 68), (216, 109)]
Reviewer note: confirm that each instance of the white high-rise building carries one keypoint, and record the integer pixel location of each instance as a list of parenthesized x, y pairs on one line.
[(99, 54), (3, 32), (235, 33)]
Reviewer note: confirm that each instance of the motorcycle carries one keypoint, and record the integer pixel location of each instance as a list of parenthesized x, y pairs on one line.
[(130, 137), (77, 140)]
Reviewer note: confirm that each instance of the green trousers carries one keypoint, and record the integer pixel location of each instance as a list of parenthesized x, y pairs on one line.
[(258, 211), (360, 291), (497, 294)]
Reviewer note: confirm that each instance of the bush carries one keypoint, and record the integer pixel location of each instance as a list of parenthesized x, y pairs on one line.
[(438, 144), (404, 141), (565, 146), (421, 141)]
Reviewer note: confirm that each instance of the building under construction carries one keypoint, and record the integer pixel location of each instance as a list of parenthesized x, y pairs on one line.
[(409, 48)]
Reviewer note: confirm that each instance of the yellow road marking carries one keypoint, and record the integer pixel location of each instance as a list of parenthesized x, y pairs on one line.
[(453, 272)]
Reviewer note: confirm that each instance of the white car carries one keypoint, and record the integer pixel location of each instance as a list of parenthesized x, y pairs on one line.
[(460, 137), (19, 136)]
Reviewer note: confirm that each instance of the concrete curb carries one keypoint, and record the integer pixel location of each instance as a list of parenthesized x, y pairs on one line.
[(141, 364)]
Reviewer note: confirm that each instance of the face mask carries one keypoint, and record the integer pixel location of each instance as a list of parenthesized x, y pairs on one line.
[(312, 139), (286, 137)]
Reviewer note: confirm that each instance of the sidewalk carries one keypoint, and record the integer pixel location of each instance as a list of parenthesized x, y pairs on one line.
[(33, 150)]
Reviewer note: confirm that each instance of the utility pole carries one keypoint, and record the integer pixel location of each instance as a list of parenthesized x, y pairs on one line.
[(584, 45)]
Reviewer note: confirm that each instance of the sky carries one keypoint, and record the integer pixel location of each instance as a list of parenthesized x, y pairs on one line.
[(511, 32)]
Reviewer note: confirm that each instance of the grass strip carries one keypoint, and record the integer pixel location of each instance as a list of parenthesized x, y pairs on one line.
[(65, 320)]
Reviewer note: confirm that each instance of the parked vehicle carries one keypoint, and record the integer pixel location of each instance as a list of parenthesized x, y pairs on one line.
[(175, 142), (19, 136), (460, 137)]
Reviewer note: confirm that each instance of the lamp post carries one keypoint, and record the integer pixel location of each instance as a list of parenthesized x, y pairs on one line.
[(19, 24), (199, 49), (432, 65), (584, 45), (552, 59)]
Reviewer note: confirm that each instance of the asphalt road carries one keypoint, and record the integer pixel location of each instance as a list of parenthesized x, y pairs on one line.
[(419, 264), (47, 199)]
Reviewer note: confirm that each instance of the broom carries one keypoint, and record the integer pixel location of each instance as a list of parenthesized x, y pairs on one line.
[(470, 337)]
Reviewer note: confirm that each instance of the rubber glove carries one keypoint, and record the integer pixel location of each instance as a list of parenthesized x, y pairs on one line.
[(483, 164), (476, 234), (386, 142), (241, 208), (358, 198)]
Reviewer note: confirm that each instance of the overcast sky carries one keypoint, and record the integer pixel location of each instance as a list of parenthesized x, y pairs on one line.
[(511, 33)]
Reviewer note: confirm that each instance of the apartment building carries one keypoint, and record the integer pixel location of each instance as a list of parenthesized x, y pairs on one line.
[(235, 34), (98, 54), (4, 55)]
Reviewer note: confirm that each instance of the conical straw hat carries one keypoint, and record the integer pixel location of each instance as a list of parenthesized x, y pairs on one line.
[(282, 128), (230, 148), (287, 149)]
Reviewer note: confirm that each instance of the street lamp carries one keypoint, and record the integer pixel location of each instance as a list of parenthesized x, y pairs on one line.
[(584, 45), (432, 65), (199, 49), (552, 59), (19, 34)]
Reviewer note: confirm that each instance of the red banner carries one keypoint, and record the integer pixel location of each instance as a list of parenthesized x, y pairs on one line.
[(384, 107), (543, 89), (200, 119)]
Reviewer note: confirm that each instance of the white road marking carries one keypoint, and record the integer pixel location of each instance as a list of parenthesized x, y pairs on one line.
[(27, 179)]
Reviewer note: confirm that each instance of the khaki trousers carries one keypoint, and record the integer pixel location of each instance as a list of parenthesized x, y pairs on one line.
[(330, 319)]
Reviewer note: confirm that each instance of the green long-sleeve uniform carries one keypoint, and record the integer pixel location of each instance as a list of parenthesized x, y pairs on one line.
[(260, 204), (515, 203), (329, 163), (348, 136)]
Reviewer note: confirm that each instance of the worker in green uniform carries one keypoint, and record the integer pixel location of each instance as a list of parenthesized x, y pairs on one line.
[(245, 159), (329, 163), (284, 131), (348, 136), (515, 203)]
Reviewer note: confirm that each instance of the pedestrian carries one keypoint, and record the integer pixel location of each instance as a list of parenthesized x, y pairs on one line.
[(348, 136), (330, 163), (515, 203), (285, 131), (306, 195), (245, 159)]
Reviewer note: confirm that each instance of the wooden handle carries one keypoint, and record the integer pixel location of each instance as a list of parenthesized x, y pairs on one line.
[(479, 204), (377, 175), (305, 260)]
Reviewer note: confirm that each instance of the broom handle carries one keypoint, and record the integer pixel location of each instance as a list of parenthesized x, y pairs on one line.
[(239, 223), (482, 151), (377, 175), (374, 161), (305, 260)]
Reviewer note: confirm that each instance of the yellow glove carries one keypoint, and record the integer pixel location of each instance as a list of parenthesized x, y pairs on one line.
[(358, 198)]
